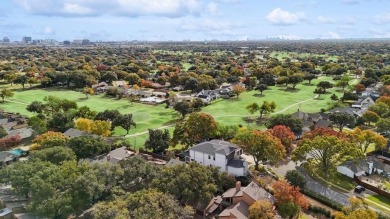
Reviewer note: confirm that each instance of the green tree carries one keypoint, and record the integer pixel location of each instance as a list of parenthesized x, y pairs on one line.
[(85, 112), (37, 124), (343, 82), (252, 108), (138, 173), (6, 93), (383, 125), (266, 108), (326, 151), (288, 209), (197, 128), (125, 121), (370, 116), (109, 115), (380, 108), (143, 204), (183, 107), (132, 78), (262, 145), (309, 77), (227, 132), (323, 85), (3, 132), (158, 140), (295, 79), (261, 88), (295, 178), (189, 183), (287, 120), (36, 107), (342, 119), (55, 155), (22, 79), (19, 175), (87, 146)]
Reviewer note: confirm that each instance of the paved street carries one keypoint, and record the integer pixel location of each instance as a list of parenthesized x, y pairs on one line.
[(323, 190)]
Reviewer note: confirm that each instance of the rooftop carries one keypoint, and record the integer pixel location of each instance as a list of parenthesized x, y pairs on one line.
[(215, 147)]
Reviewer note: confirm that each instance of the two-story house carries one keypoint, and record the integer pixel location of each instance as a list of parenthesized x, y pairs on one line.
[(221, 154)]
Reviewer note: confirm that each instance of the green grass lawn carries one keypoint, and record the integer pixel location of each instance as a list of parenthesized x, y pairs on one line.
[(282, 55), (146, 116), (380, 200), (233, 111)]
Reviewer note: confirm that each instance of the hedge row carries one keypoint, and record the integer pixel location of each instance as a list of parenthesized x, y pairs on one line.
[(322, 199)]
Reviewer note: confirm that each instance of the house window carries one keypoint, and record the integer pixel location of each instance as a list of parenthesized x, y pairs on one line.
[(213, 158), (209, 157)]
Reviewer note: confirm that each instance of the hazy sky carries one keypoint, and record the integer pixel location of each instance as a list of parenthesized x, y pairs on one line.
[(194, 19)]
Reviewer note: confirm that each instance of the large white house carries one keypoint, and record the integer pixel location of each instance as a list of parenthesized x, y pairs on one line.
[(221, 154)]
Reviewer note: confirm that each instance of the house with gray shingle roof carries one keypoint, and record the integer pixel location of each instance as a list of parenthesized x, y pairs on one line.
[(369, 165), (222, 154), (7, 158)]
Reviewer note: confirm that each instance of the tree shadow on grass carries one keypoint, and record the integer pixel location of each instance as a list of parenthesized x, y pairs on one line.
[(307, 84), (258, 95), (289, 89), (234, 99)]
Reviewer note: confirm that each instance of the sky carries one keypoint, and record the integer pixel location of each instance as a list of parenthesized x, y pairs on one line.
[(163, 20)]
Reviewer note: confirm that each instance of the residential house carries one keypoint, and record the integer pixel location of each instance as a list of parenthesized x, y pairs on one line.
[(235, 202), (220, 154), (208, 95), (114, 156), (7, 158), (100, 87), (311, 121), (24, 133), (174, 162), (178, 88), (119, 84), (364, 166), (363, 102), (10, 204), (73, 133)]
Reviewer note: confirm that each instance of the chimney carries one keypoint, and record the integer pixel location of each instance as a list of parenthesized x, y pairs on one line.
[(238, 186), (108, 157)]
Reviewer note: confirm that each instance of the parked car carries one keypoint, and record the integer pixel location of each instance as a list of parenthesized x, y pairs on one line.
[(359, 189)]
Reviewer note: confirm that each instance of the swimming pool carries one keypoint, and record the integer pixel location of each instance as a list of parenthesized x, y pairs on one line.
[(18, 152)]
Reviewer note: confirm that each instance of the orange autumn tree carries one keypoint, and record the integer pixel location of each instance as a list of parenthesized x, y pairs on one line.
[(384, 99), (285, 135), (288, 195)]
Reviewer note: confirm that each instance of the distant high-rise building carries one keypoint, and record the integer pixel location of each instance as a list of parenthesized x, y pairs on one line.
[(6, 40), (67, 42), (26, 39)]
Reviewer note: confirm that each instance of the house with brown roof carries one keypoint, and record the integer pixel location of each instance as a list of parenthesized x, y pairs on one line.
[(235, 202)]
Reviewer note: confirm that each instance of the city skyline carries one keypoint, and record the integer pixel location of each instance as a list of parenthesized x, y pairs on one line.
[(163, 20)]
